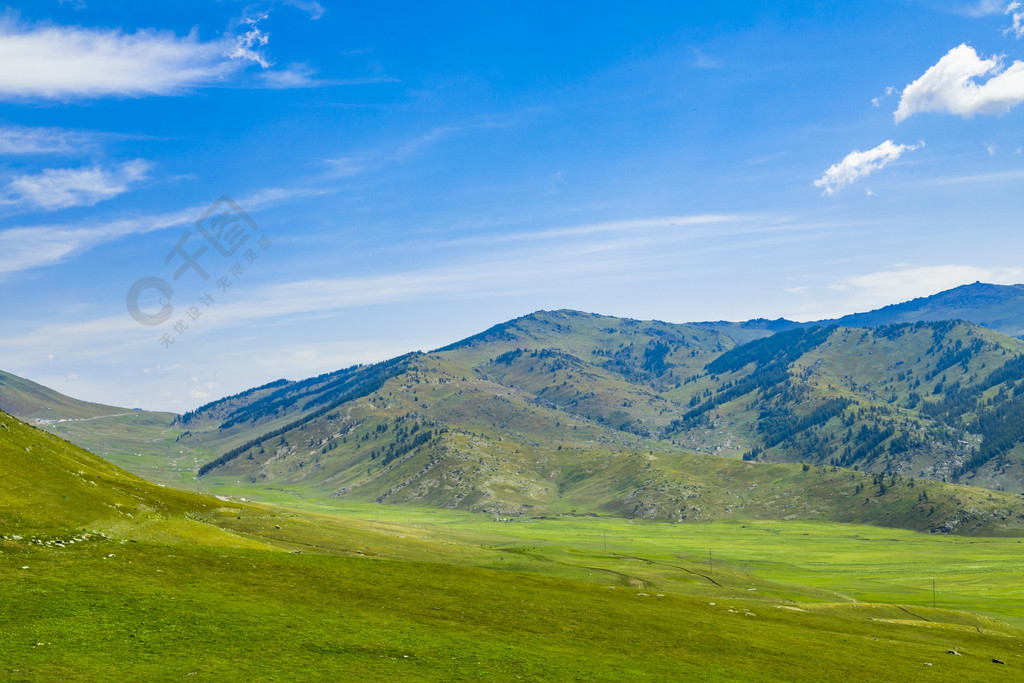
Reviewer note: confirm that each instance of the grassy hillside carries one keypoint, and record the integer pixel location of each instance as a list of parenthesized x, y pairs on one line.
[(31, 401), (190, 585), (507, 424)]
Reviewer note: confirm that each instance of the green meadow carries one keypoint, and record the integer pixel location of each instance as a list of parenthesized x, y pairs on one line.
[(812, 561), (106, 576)]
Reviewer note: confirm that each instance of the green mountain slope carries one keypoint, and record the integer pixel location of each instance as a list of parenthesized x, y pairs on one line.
[(563, 412), (51, 489), (30, 401), (139, 440)]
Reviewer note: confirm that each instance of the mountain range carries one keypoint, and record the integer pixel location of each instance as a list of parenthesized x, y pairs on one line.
[(877, 417)]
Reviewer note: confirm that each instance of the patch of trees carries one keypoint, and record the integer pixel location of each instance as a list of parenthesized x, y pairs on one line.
[(318, 390), (779, 424), (957, 354), (865, 444), (999, 421), (230, 400), (371, 378), (1001, 429), (761, 379), (894, 331), (654, 357), (508, 357), (406, 440), (500, 332), (782, 348)]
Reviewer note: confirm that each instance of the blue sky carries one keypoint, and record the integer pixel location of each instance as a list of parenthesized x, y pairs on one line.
[(385, 177)]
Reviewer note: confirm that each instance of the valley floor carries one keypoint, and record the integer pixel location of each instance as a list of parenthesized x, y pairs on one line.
[(408, 594)]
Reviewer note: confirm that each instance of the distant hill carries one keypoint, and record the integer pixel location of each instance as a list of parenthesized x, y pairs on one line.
[(140, 440), (997, 307), (30, 401)]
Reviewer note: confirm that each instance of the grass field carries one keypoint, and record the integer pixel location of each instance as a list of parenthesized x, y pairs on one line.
[(801, 561), (145, 611), (105, 576)]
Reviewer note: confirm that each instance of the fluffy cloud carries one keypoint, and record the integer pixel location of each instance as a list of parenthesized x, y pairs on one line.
[(951, 86), (62, 188), (858, 164)]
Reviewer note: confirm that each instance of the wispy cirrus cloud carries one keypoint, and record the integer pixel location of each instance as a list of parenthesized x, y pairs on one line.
[(293, 76), (633, 227), (18, 140), (24, 248), (979, 8), (41, 245), (313, 8), (951, 86), (55, 189), (858, 164)]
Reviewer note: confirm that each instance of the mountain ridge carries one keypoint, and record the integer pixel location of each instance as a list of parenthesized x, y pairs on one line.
[(997, 307), (561, 410)]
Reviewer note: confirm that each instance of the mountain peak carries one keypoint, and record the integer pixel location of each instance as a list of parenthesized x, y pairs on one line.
[(999, 307)]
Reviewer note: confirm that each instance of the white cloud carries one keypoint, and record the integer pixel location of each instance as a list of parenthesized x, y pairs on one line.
[(858, 164), (630, 229), (877, 101), (981, 8), (62, 188), (950, 86), (25, 140), (991, 149), (904, 282), (247, 46), (294, 76), (1016, 13), (311, 7), (346, 167), (58, 62), (68, 62), (24, 248)]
